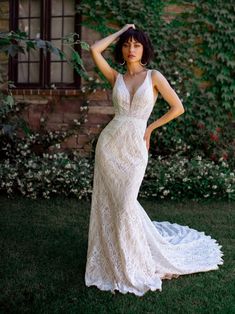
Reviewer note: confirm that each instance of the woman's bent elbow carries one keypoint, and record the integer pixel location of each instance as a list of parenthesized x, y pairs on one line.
[(179, 112)]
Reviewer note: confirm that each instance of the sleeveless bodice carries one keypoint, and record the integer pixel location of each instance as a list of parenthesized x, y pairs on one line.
[(141, 105)]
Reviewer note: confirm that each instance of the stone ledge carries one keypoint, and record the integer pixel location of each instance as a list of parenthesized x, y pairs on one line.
[(48, 92)]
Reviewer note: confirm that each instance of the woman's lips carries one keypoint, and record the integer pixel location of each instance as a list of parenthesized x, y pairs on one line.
[(131, 56)]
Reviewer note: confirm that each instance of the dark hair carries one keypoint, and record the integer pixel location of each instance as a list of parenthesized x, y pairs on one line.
[(138, 35)]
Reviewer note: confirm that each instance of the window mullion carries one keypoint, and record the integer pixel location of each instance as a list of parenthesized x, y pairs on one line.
[(46, 35)]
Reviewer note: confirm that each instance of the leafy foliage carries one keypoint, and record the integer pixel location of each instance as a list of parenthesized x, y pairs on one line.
[(195, 52)]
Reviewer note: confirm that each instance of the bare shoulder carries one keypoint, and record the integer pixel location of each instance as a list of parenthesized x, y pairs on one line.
[(157, 76), (159, 81)]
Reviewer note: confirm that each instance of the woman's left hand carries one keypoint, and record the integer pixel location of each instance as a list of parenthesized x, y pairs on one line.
[(147, 135)]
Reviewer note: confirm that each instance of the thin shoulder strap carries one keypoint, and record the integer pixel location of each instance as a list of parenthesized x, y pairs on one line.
[(150, 75)]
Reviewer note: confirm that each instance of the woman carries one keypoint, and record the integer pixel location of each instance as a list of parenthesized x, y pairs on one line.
[(126, 250)]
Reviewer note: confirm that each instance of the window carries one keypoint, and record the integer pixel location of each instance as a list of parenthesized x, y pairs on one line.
[(50, 20)]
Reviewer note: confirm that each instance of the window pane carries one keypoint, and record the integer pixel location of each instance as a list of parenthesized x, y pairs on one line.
[(69, 7), (23, 56), (68, 25), (22, 72), (67, 73), (24, 25), (23, 8), (34, 28), (34, 72), (56, 7), (55, 72), (35, 8), (34, 55), (56, 27)]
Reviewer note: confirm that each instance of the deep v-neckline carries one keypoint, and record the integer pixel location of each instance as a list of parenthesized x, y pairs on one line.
[(129, 94)]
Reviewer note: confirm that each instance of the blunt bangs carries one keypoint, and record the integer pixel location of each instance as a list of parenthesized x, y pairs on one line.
[(141, 37)]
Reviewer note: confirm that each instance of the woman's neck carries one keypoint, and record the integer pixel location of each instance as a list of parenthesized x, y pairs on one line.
[(133, 69)]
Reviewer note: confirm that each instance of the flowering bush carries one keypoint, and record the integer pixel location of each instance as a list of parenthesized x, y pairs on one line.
[(51, 174), (72, 175), (177, 177)]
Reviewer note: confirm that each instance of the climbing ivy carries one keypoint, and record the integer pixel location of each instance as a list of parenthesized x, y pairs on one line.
[(195, 51)]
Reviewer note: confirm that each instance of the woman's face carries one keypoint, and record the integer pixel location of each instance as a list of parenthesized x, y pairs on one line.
[(132, 50)]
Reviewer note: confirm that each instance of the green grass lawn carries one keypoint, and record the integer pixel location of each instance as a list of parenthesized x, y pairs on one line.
[(43, 258)]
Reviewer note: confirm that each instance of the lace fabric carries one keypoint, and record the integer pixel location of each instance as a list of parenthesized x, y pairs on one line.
[(126, 250)]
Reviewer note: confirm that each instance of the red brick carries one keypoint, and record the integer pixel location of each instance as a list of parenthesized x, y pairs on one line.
[(69, 117), (95, 130), (70, 105), (70, 142), (98, 95), (101, 109), (98, 118), (100, 103), (51, 126), (34, 120), (55, 118), (82, 140)]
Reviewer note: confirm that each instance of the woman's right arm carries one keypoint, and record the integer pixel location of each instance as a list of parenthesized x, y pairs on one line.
[(99, 46)]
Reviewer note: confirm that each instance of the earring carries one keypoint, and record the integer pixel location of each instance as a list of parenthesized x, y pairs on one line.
[(143, 64), (123, 62)]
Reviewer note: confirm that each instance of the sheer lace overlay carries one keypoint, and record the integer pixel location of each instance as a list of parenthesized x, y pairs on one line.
[(126, 250)]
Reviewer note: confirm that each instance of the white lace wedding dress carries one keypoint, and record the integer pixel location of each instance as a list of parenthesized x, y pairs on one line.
[(126, 250)]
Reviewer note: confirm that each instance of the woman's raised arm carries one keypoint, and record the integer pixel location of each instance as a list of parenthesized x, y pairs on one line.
[(98, 47)]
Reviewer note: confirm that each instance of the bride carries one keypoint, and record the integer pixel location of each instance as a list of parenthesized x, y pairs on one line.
[(126, 250)]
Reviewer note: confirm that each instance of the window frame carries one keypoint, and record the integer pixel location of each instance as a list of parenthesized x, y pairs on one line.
[(44, 61)]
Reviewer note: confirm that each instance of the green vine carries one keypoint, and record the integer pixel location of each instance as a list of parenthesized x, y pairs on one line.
[(195, 48)]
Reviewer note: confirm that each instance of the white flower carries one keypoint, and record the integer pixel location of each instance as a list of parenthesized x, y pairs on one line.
[(165, 192)]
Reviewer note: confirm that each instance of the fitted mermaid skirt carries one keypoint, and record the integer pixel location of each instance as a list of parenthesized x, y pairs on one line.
[(126, 250)]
